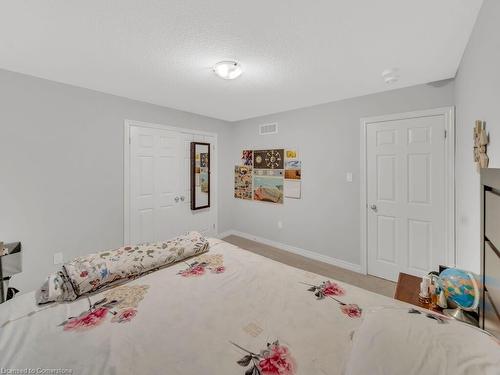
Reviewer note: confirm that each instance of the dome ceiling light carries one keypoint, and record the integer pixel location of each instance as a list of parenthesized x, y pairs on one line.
[(228, 69)]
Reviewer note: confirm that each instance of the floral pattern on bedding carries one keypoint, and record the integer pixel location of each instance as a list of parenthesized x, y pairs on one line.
[(331, 289), (90, 273), (213, 262), (276, 359), (121, 302)]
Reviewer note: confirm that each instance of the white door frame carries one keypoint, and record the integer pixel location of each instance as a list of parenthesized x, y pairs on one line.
[(126, 169), (449, 115)]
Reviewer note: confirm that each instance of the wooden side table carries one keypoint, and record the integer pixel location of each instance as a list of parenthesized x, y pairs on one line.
[(407, 290)]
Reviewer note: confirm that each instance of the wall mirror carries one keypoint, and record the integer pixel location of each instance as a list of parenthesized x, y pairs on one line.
[(200, 175)]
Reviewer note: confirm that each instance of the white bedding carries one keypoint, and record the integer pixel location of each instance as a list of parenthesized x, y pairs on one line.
[(187, 324), (421, 344)]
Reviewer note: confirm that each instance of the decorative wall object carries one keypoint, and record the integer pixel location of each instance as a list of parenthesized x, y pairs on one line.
[(276, 174), (292, 164), (292, 169), (200, 175), (268, 172), (292, 189), (268, 189), (268, 159), (247, 157), (481, 141), (243, 182), (293, 175)]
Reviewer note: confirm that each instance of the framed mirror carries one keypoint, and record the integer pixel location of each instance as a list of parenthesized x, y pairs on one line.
[(200, 175)]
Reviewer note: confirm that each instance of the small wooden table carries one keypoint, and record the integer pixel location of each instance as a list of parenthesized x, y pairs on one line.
[(407, 290)]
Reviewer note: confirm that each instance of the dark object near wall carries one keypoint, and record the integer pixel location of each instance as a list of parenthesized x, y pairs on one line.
[(11, 292), (200, 175), (489, 307), (13, 248)]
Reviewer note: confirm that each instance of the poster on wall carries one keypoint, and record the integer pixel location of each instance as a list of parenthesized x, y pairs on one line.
[(247, 157), (268, 159), (293, 174), (268, 172), (243, 182), (267, 175), (292, 169), (268, 189), (291, 154), (292, 189)]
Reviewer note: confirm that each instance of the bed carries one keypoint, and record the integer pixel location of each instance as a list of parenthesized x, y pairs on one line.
[(227, 311)]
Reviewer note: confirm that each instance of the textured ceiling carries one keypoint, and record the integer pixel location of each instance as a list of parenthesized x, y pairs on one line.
[(294, 53)]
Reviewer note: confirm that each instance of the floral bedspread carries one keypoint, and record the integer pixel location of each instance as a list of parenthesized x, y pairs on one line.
[(227, 311)]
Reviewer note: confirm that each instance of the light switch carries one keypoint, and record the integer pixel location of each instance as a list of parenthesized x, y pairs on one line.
[(348, 177)]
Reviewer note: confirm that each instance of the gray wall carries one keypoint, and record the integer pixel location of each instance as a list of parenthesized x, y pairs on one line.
[(61, 161), (61, 168), (477, 97), (327, 218)]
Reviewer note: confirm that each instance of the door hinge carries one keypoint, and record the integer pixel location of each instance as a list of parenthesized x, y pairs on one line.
[(445, 134)]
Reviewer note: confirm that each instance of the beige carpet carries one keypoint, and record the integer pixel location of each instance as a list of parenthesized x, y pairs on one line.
[(371, 283)]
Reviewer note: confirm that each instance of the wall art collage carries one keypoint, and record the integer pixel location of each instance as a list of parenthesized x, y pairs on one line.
[(268, 175)]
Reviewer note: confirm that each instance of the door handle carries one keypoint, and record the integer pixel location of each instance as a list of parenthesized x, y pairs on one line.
[(176, 199), (182, 198), (374, 207)]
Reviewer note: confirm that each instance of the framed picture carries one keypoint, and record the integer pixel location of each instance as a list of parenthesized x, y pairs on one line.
[(268, 189), (268, 159), (247, 157), (200, 175), (243, 182)]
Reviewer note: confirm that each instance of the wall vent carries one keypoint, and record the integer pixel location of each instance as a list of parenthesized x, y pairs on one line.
[(266, 129)]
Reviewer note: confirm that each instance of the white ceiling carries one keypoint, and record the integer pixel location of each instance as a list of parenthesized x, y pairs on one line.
[(295, 53)]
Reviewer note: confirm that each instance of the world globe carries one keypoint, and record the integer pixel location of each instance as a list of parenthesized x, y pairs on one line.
[(460, 287)]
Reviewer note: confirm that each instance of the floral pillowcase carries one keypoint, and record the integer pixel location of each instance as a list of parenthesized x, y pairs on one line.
[(91, 272)]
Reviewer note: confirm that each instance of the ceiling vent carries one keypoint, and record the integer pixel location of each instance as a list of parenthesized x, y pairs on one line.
[(266, 129)]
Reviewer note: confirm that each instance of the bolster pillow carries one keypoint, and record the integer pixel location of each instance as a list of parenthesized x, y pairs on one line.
[(92, 272)]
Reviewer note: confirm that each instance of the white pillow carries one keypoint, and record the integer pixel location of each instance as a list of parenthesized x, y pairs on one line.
[(401, 341)]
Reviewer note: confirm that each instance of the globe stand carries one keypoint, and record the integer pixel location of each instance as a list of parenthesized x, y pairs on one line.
[(460, 315)]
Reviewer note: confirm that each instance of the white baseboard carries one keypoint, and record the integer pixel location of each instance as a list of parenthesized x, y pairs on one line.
[(295, 250), (225, 234)]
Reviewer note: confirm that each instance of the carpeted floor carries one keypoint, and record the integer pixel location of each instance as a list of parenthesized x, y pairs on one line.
[(368, 282)]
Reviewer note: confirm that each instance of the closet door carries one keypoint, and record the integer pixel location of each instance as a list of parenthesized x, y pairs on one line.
[(156, 212)]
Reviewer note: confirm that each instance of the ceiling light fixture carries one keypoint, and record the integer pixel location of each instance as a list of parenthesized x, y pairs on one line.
[(391, 75), (228, 69)]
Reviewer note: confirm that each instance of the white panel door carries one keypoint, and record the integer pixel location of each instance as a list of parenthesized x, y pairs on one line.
[(160, 185), (405, 196), (154, 184)]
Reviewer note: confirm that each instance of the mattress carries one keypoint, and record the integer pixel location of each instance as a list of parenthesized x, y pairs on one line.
[(228, 311)]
